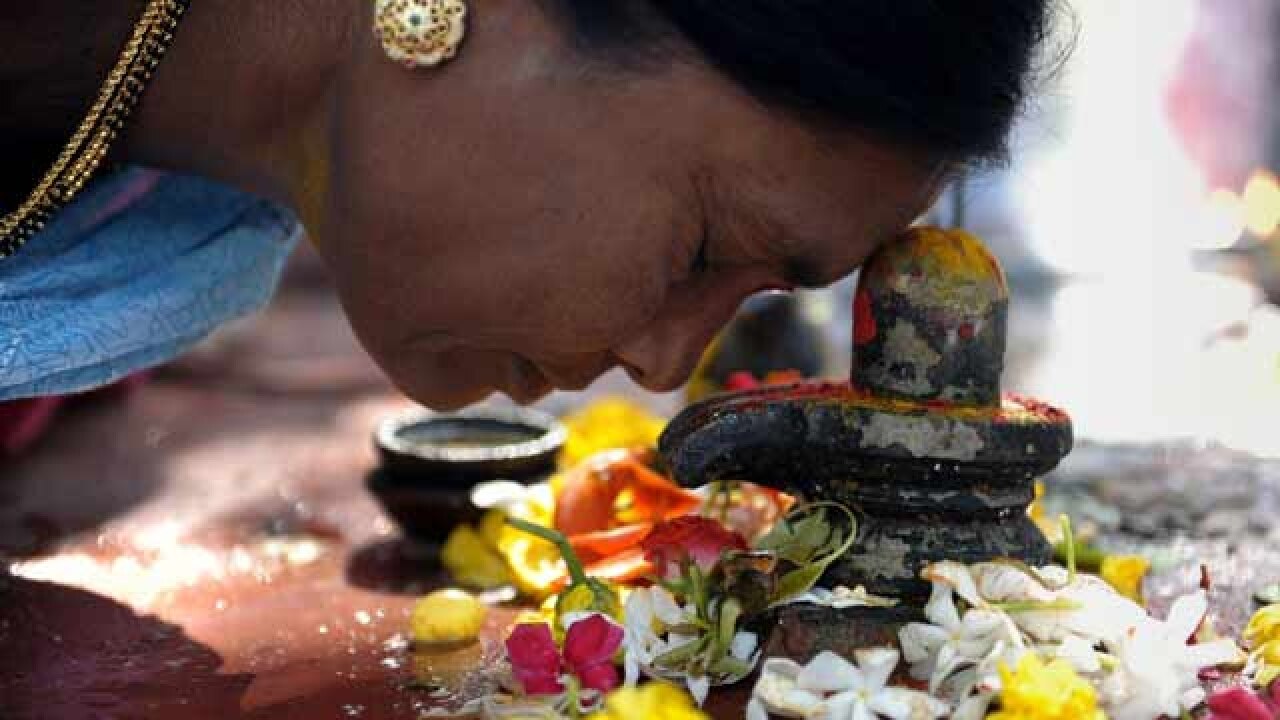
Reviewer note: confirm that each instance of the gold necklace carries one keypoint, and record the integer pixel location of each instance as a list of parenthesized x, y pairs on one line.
[(84, 152)]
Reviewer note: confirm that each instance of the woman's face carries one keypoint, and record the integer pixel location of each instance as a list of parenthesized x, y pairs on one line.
[(521, 220)]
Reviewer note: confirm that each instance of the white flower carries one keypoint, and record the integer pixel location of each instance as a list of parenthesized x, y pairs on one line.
[(1158, 671), (511, 496), (840, 598), (778, 691), (958, 578), (972, 689), (651, 613), (1095, 612), (744, 645), (998, 582), (832, 688), (698, 688), (1154, 671), (947, 643), (1080, 653)]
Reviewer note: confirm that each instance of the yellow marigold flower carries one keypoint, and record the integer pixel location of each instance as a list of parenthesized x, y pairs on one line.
[(534, 563), (447, 616), (1036, 691), (1125, 574), (1264, 626), (655, 700), (1267, 659), (471, 561), (605, 424), (491, 527)]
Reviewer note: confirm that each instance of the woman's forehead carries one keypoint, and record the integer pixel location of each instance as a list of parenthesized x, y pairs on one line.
[(812, 208)]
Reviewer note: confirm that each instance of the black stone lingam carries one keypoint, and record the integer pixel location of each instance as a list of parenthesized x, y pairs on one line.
[(921, 444)]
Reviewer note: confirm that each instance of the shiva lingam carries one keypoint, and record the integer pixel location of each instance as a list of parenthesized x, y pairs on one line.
[(920, 443)]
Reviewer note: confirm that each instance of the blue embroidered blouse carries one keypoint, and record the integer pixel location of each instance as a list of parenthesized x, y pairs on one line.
[(142, 266)]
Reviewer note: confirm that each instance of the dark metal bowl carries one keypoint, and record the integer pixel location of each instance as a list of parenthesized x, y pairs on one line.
[(431, 461)]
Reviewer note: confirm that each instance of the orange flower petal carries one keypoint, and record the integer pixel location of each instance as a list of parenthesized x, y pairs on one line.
[(588, 498), (588, 494), (595, 546), (654, 497), (628, 566)]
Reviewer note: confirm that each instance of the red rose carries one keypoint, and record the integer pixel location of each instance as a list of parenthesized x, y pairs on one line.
[(693, 538)]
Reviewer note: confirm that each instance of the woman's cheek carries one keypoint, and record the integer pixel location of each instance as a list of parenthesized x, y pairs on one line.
[(616, 309)]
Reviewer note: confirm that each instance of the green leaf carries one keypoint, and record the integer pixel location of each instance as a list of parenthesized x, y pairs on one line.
[(797, 540), (726, 626), (1088, 557), (729, 665), (798, 581), (676, 659), (820, 554)]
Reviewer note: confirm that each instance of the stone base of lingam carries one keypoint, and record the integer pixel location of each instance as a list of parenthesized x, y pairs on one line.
[(920, 444)]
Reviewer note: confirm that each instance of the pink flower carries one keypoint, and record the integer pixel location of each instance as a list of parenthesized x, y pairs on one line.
[(589, 646), (588, 652), (1238, 703), (535, 659), (692, 538)]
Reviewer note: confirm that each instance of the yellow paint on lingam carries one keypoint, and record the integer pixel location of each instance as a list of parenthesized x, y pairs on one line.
[(956, 271)]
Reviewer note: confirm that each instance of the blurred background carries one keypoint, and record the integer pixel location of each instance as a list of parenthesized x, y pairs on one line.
[(1138, 224)]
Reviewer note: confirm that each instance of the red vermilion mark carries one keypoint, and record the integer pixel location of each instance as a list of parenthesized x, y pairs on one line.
[(966, 331), (864, 323)]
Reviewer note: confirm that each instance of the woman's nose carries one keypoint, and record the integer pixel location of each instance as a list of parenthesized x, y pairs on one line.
[(663, 355)]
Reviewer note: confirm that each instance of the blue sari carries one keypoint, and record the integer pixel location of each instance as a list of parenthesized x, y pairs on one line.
[(141, 267)]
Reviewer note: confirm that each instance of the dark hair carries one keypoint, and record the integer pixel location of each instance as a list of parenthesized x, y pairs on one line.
[(944, 76)]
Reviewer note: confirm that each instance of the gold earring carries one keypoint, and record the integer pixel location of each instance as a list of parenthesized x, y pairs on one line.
[(420, 33)]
